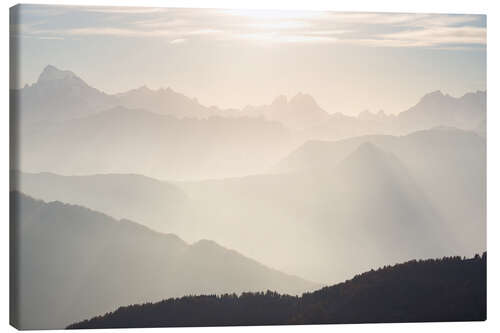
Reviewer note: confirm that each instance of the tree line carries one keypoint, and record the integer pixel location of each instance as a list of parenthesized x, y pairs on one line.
[(447, 289)]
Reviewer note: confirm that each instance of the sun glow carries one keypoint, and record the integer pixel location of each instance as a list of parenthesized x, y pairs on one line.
[(275, 15)]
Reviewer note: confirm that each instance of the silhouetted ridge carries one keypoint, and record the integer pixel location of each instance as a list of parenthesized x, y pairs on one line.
[(81, 263), (448, 289)]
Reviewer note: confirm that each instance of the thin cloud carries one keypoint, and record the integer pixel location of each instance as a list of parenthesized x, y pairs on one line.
[(442, 36), (403, 19), (124, 10), (111, 31), (203, 32), (364, 29), (50, 38), (282, 38), (178, 41)]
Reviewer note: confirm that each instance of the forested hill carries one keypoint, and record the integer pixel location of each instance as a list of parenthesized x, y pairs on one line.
[(448, 289)]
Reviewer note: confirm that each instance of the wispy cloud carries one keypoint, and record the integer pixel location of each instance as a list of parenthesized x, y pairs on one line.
[(364, 29), (124, 10), (402, 19), (178, 41), (119, 32), (441, 36), (50, 38)]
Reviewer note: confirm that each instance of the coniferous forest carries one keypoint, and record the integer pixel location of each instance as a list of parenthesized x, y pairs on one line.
[(447, 289)]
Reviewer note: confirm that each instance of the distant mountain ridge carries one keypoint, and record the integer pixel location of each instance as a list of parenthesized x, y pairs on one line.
[(435, 108), (167, 102), (136, 141), (68, 127), (62, 95), (300, 112)]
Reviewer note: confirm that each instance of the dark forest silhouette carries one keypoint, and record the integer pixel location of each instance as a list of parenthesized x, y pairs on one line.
[(448, 289)]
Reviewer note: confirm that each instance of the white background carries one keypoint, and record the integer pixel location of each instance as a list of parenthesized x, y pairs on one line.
[(491, 8)]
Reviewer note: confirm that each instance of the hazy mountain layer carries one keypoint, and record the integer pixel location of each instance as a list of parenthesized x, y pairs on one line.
[(59, 95), (359, 213), (348, 203), (351, 204), (135, 141), (449, 165), (65, 126), (157, 204), (73, 263)]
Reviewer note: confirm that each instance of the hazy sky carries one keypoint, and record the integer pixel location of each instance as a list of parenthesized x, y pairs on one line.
[(347, 61)]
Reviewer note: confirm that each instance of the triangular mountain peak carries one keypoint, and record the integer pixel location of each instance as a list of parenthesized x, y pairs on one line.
[(368, 158), (369, 149)]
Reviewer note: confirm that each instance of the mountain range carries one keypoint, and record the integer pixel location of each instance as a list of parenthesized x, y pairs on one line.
[(61, 94), (310, 192), (171, 136)]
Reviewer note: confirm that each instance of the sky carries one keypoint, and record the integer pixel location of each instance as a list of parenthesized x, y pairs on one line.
[(349, 62)]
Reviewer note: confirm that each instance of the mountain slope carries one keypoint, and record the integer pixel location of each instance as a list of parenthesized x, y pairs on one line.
[(73, 263), (122, 140), (155, 203), (448, 164), (366, 211), (449, 289)]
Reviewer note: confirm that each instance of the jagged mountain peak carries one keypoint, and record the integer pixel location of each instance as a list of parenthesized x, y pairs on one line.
[(143, 88), (433, 94), (52, 73), (367, 115)]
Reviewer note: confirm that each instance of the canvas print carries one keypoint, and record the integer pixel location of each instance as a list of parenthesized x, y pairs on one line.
[(215, 167)]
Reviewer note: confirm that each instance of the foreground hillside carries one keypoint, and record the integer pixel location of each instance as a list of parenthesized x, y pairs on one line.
[(73, 263), (448, 289)]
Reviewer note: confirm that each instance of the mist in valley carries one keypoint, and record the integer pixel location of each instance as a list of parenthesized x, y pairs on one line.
[(137, 196)]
